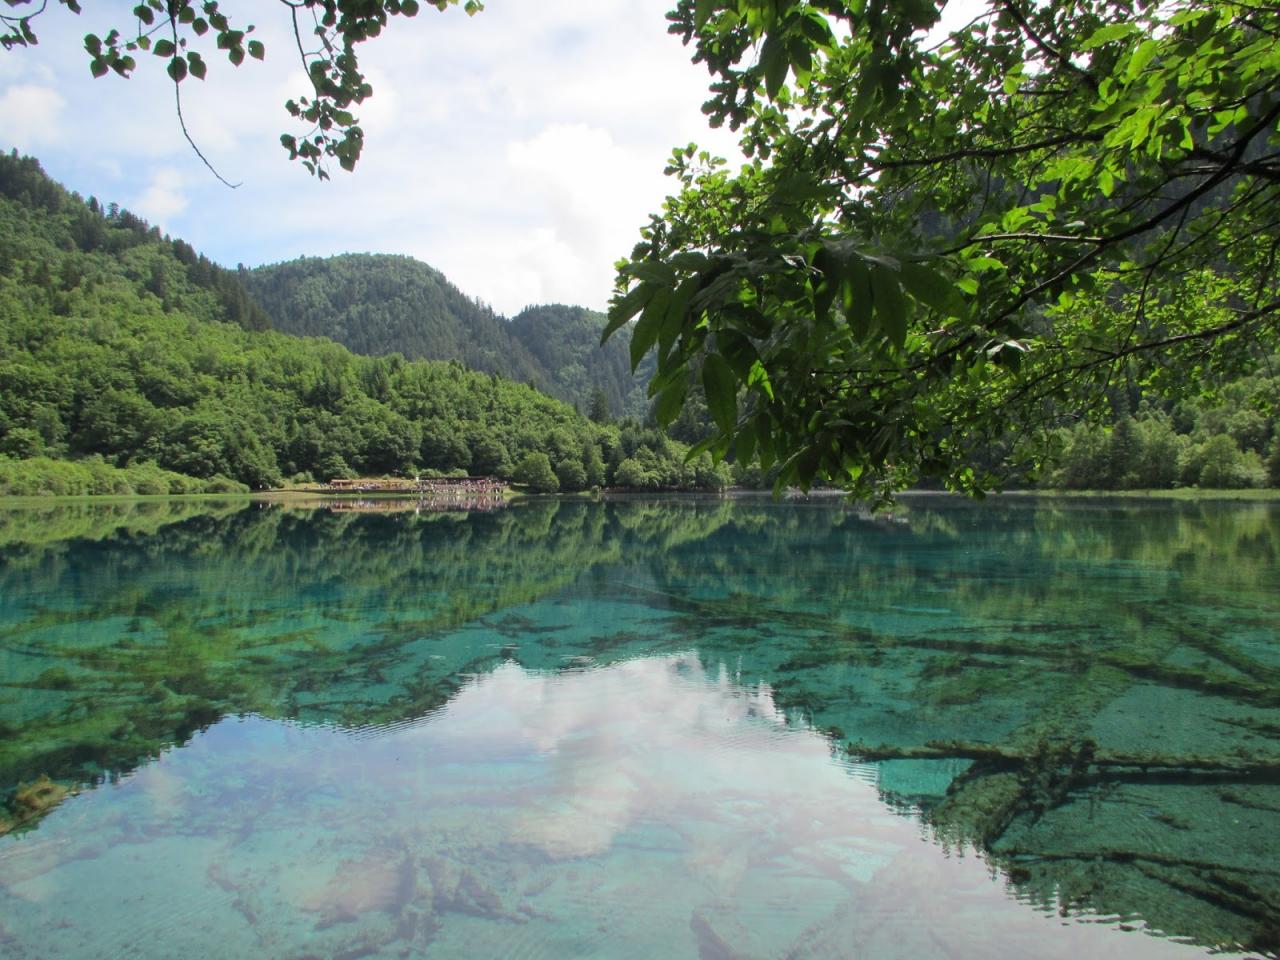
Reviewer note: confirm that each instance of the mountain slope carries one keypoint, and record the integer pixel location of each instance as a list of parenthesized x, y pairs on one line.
[(376, 304), (565, 341)]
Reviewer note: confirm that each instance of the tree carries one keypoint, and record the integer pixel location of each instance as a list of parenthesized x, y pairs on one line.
[(598, 410), (535, 472), (571, 475), (941, 243)]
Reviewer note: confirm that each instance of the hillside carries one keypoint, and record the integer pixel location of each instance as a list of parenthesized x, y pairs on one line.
[(378, 304), (381, 304), (565, 342), (120, 347)]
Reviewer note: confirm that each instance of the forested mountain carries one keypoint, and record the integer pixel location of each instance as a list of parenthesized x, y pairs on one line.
[(565, 342), (377, 304), (40, 210), (122, 347)]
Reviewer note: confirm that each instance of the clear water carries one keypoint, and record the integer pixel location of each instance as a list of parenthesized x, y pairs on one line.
[(677, 729)]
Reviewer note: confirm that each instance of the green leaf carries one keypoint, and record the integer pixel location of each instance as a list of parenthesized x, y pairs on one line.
[(163, 48), (857, 297), (774, 64), (177, 69), (651, 271), (891, 306), (738, 352), (645, 334), (721, 388), (674, 321), (745, 444), (759, 376), (627, 306), (670, 400), (257, 50), (1112, 31), (931, 288)]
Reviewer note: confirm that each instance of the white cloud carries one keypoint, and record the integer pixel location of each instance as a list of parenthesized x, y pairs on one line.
[(164, 199), (593, 194), (32, 115)]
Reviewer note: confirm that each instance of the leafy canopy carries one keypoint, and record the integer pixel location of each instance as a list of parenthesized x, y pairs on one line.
[(942, 245)]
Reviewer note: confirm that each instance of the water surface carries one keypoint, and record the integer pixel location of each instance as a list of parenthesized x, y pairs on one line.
[(684, 729)]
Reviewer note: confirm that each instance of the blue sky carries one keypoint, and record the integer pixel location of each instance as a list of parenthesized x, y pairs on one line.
[(518, 151)]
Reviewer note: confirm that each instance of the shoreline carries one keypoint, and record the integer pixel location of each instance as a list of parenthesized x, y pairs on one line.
[(287, 495)]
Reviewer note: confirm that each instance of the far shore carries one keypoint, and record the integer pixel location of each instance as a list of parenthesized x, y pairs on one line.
[(297, 496)]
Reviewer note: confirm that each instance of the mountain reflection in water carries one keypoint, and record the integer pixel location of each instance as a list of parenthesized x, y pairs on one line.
[(622, 730)]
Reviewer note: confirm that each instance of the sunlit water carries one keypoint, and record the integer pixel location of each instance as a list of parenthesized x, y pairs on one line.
[(622, 730)]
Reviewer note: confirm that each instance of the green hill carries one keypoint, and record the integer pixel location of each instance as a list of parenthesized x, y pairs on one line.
[(565, 341), (377, 304)]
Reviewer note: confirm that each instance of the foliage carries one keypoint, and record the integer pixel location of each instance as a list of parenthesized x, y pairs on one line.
[(571, 474), (381, 304), (651, 460), (942, 247), (1219, 439), (42, 477), (535, 472), (565, 341)]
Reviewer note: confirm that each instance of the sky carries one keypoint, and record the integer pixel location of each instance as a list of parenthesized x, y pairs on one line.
[(518, 151)]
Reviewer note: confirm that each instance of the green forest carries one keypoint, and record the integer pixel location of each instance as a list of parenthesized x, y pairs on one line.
[(132, 364), (381, 304)]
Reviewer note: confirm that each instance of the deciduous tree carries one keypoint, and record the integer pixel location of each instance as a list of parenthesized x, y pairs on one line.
[(946, 240)]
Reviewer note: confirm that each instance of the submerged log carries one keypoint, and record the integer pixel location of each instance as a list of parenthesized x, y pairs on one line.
[(994, 756), (1006, 782)]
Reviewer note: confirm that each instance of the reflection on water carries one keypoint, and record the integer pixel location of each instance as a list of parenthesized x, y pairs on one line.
[(633, 730), (641, 810)]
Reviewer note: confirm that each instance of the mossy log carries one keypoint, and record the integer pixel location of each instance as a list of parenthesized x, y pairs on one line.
[(1242, 890)]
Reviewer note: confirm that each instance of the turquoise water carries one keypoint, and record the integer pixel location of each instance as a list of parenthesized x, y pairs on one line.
[(703, 729)]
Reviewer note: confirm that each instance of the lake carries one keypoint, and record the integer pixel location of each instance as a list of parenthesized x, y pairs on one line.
[(681, 728)]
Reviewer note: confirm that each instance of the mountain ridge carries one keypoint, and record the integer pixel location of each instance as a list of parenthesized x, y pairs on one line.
[(381, 304)]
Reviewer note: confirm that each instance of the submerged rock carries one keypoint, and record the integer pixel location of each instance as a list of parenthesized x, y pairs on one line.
[(358, 887)]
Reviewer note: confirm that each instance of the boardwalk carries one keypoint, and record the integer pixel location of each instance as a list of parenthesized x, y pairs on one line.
[(459, 487), (430, 494)]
